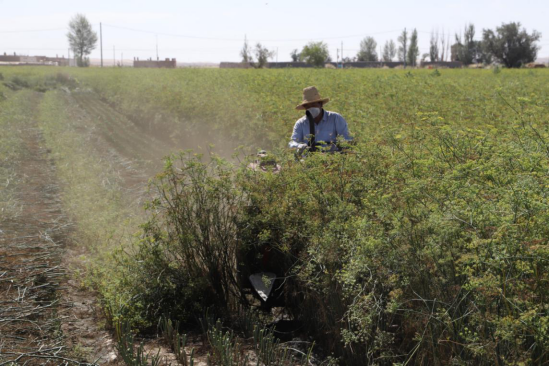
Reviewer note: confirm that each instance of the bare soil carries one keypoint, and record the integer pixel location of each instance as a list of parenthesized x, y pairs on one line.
[(46, 316), (38, 301)]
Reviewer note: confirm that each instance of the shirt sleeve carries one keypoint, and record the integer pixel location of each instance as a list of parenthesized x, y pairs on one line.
[(342, 128), (297, 136)]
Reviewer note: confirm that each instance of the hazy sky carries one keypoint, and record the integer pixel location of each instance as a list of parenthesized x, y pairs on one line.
[(214, 30)]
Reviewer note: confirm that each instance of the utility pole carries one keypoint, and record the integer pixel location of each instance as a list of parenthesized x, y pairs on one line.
[(101, 42), (277, 58), (342, 53), (157, 47), (114, 57), (121, 59)]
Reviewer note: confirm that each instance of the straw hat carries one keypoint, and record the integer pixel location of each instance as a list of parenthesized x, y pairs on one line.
[(311, 95)]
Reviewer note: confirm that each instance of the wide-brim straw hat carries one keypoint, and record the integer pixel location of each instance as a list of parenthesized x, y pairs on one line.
[(311, 95)]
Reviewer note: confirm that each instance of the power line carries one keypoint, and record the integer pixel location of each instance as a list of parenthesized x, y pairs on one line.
[(172, 34), (328, 38), (251, 40), (36, 30), (33, 48)]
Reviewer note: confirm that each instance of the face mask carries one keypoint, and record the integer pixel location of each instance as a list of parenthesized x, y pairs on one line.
[(315, 111)]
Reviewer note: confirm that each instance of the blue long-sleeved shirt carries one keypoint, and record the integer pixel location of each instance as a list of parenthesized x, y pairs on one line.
[(331, 126)]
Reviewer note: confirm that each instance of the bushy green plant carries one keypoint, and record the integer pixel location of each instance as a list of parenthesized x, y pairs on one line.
[(420, 249), (185, 259), (407, 247)]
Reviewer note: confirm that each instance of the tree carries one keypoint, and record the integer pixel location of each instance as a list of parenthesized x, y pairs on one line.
[(434, 47), (82, 39), (482, 55), (315, 53), (295, 55), (367, 50), (246, 53), (402, 41), (470, 44), (389, 51), (465, 51), (413, 52), (511, 46), (262, 55)]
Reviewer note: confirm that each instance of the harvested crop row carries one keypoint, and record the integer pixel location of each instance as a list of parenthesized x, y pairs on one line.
[(32, 244), (121, 133)]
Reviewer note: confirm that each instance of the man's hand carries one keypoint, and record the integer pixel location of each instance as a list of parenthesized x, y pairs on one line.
[(301, 147)]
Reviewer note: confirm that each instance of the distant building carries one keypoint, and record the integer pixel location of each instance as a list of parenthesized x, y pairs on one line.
[(60, 61), (167, 63), (35, 60), (236, 65), (10, 58), (536, 65)]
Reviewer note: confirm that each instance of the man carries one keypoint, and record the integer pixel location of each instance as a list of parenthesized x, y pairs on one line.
[(326, 125)]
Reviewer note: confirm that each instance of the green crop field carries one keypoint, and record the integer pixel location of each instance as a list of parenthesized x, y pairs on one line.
[(427, 243)]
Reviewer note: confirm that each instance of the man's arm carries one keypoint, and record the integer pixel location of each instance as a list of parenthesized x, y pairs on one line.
[(297, 139), (342, 128)]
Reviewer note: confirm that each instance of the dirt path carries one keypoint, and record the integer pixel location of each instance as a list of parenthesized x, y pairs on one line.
[(31, 274), (45, 318)]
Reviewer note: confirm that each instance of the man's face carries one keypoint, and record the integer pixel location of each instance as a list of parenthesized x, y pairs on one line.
[(313, 104)]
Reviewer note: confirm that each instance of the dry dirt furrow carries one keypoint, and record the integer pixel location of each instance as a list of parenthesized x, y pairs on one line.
[(31, 274), (46, 318)]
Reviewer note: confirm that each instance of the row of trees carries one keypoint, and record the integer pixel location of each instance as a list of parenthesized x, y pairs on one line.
[(405, 51), (509, 45), (314, 53)]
